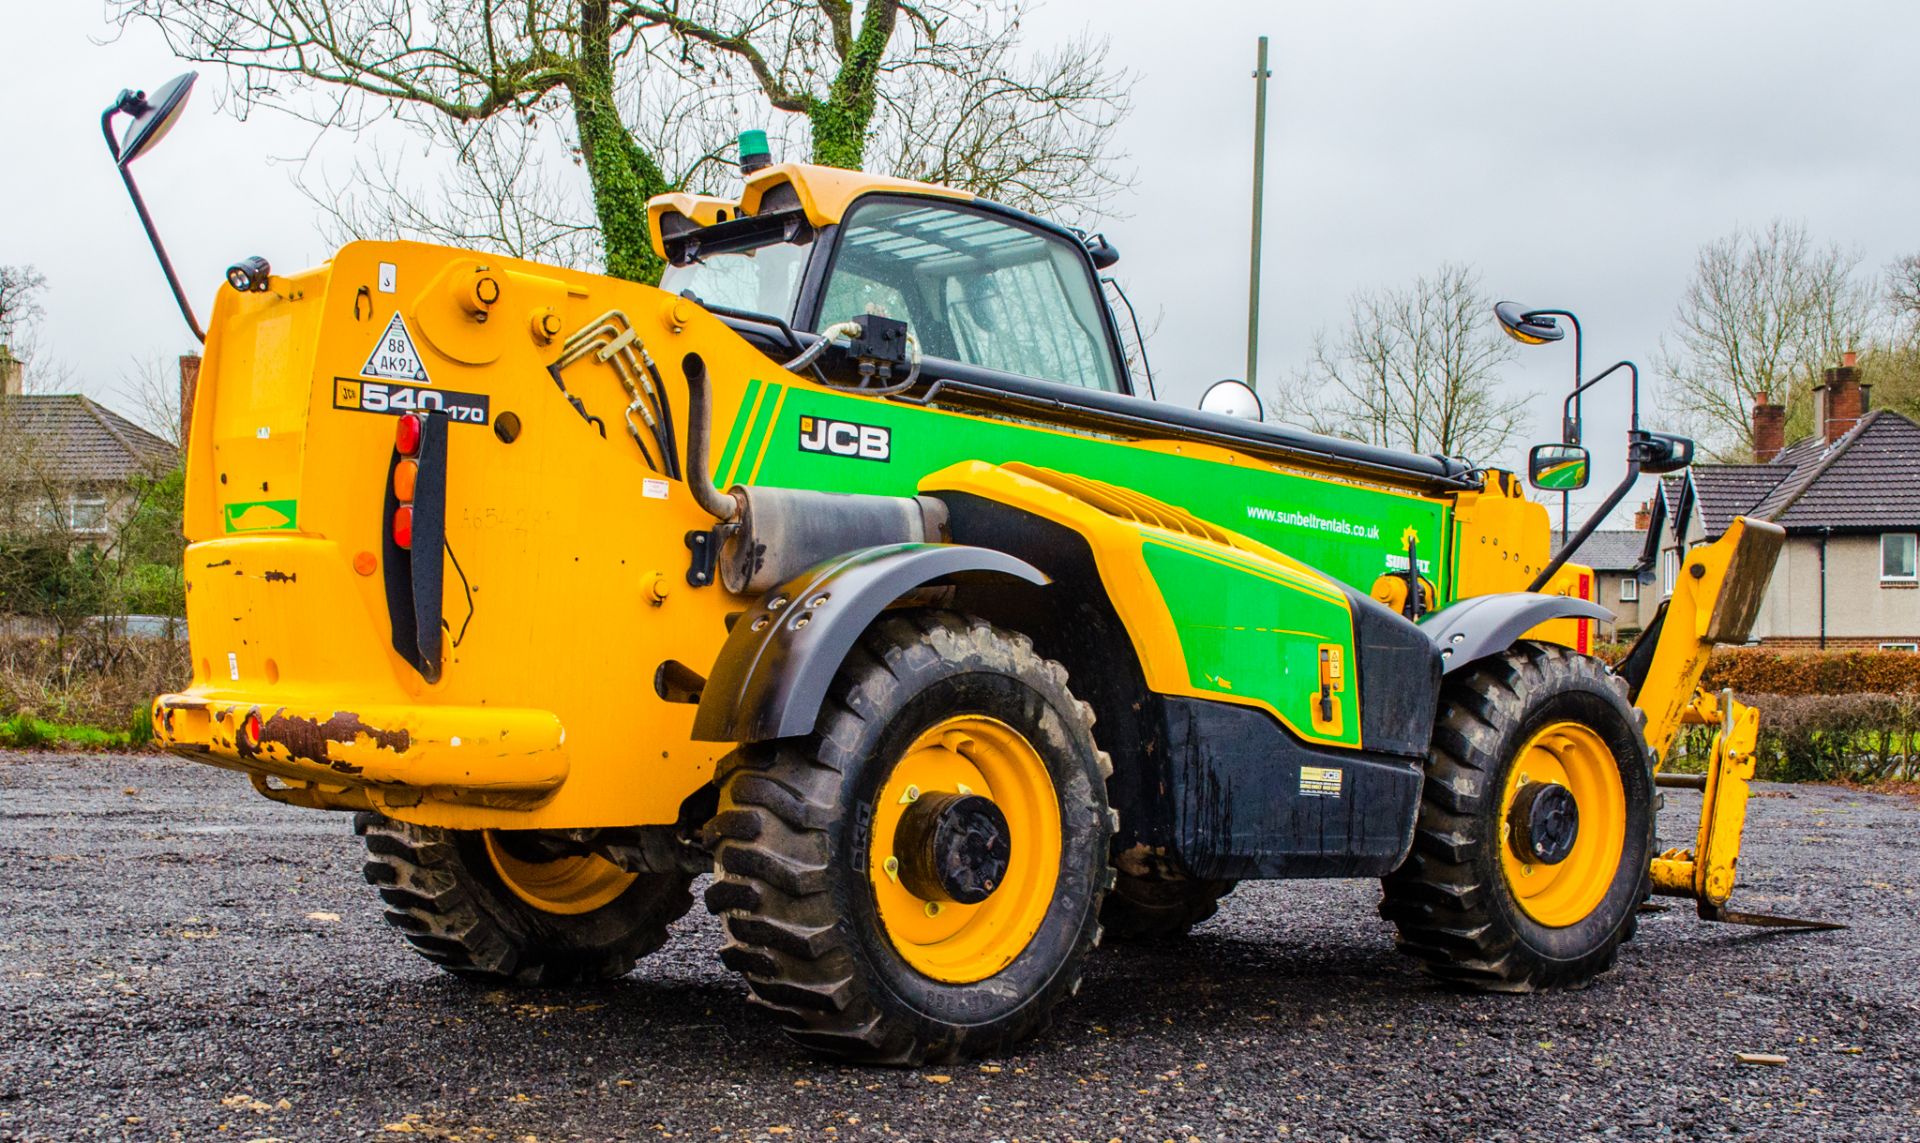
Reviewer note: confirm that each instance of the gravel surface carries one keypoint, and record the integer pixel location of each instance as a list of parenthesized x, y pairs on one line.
[(180, 958)]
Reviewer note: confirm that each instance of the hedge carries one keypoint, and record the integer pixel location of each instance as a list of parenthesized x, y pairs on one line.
[(1824, 715), (1755, 670)]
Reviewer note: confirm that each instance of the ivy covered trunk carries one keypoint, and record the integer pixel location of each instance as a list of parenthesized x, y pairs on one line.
[(841, 122), (623, 175)]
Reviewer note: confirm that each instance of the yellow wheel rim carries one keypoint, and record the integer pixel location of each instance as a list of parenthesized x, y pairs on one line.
[(568, 885), (951, 942), (1573, 755)]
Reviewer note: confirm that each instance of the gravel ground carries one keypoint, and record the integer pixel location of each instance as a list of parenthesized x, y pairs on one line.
[(180, 958)]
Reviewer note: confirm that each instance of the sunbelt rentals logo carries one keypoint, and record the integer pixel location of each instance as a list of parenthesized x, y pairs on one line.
[(845, 438)]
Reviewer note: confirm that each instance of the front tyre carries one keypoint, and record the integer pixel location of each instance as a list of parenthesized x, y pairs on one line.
[(1531, 855), (488, 906), (921, 878)]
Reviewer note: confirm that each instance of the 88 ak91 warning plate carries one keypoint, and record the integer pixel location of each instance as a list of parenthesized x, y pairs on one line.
[(393, 399)]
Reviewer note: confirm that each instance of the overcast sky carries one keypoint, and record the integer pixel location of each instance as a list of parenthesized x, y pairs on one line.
[(1578, 155)]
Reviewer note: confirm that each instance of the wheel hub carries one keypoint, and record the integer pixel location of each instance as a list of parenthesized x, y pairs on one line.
[(1546, 823), (953, 847)]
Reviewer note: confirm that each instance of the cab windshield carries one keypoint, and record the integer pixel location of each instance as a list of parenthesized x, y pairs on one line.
[(763, 281)]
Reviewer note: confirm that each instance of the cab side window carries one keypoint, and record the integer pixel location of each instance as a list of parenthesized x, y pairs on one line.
[(975, 288)]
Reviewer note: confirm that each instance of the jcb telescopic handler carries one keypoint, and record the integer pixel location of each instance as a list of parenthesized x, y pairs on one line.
[(850, 566)]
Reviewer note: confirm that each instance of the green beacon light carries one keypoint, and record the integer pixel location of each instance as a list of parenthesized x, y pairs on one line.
[(754, 152)]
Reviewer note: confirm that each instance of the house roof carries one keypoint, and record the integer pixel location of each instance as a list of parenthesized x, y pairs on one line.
[(1724, 491), (1610, 549), (1867, 480), (76, 439)]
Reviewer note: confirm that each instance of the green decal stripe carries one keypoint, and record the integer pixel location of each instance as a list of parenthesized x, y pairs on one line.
[(721, 472), (751, 445), (1252, 565), (1254, 644), (766, 438)]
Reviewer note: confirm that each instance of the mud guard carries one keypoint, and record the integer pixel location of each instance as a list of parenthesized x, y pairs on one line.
[(1484, 625), (772, 673)]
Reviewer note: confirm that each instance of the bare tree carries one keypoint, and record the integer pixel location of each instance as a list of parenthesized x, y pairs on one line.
[(153, 385), (602, 73), (1413, 369), (1765, 311), (20, 288), (1036, 134)]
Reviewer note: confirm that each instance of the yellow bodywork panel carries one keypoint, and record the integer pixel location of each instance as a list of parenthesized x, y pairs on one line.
[(291, 445), (824, 194), (1503, 540), (1121, 527)]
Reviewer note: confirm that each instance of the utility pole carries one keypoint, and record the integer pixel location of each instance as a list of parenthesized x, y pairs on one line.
[(1260, 76)]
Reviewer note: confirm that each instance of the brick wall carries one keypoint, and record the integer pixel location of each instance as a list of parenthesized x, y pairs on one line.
[(1834, 642)]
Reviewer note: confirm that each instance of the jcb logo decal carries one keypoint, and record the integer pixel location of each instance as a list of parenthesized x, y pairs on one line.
[(844, 438)]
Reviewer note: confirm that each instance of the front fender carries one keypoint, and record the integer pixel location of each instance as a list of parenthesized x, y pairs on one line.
[(772, 674), (1486, 625)]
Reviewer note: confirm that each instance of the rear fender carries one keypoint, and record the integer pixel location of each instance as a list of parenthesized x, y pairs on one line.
[(772, 674)]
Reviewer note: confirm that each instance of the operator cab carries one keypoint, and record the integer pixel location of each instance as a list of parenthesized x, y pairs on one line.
[(982, 287), (900, 288)]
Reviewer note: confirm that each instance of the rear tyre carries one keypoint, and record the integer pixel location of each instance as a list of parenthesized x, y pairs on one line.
[(1531, 855), (479, 905), (860, 943), (1146, 909)]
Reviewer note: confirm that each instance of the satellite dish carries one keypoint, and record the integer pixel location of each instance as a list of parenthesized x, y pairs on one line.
[(153, 118), (1233, 399)]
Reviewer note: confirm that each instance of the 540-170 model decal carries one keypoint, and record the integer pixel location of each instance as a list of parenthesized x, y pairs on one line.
[(394, 399)]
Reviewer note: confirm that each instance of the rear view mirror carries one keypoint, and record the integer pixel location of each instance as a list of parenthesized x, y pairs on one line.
[(1662, 452), (1558, 467), (153, 118), (1233, 399)]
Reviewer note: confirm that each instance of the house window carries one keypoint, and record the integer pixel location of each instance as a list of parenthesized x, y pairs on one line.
[(88, 517), (1669, 570), (1900, 647), (1629, 589), (1897, 557)]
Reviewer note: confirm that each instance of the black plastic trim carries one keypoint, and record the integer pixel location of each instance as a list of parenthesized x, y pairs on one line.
[(1243, 808), (772, 673), (1483, 625), (414, 583)]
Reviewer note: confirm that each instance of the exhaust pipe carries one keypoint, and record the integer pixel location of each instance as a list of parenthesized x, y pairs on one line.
[(769, 535)]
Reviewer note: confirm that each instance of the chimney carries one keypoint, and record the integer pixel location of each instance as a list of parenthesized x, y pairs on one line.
[(189, 382), (1769, 428), (12, 372), (1841, 403), (1643, 516)]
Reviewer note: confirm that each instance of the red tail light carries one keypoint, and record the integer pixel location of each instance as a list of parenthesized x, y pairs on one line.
[(251, 728), (403, 526), (406, 434)]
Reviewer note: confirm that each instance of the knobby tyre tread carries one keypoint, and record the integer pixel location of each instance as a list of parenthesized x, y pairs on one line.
[(789, 878), (442, 894), (1449, 899)]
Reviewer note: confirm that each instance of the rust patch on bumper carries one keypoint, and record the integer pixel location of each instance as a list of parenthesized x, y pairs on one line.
[(307, 738)]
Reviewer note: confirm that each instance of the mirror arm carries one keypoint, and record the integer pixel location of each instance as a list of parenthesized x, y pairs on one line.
[(146, 221), (1569, 426), (1568, 547), (1567, 410)]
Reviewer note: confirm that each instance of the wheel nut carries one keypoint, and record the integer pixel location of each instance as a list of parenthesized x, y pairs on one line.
[(892, 866), (933, 908)]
